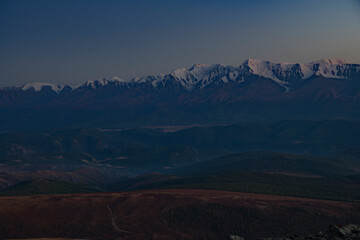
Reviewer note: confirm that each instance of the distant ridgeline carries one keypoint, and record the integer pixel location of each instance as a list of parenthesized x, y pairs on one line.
[(211, 94)]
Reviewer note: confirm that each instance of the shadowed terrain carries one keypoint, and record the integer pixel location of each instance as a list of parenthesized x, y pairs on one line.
[(169, 214)]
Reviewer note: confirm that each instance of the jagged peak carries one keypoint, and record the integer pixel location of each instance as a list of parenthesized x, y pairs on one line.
[(198, 65), (104, 82), (201, 75), (180, 73), (329, 61), (117, 79), (197, 70), (325, 61), (256, 62)]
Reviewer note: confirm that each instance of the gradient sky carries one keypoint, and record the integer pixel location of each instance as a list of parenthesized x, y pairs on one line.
[(67, 41)]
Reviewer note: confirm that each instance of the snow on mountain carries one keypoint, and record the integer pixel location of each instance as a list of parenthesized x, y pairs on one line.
[(202, 75), (275, 71), (40, 86), (190, 77), (181, 73), (330, 68), (104, 82), (328, 61), (153, 80), (285, 73), (118, 79)]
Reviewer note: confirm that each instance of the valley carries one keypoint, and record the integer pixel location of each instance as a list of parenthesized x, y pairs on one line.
[(179, 120), (260, 150)]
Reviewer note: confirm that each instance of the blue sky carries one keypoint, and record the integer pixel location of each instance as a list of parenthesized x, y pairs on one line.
[(66, 41)]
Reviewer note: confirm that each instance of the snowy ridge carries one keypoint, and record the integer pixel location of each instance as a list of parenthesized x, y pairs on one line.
[(201, 75), (330, 68), (275, 71), (40, 86), (284, 74), (103, 82)]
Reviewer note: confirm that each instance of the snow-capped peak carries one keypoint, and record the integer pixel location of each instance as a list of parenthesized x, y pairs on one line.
[(329, 61), (287, 75), (283, 73), (329, 68), (279, 72), (180, 73), (259, 67), (103, 82), (200, 75), (203, 70), (199, 66), (118, 79), (39, 86)]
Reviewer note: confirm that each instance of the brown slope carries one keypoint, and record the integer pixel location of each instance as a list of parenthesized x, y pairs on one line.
[(168, 214)]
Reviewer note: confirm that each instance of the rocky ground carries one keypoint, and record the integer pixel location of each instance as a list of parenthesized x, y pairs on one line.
[(335, 232)]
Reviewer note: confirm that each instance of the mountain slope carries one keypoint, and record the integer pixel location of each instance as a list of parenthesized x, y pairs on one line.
[(253, 91), (200, 76), (170, 214), (271, 162), (345, 188), (46, 186)]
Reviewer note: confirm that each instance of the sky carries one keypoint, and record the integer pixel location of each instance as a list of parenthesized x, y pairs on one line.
[(70, 42)]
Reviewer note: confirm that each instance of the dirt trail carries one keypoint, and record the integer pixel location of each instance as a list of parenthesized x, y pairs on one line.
[(113, 221)]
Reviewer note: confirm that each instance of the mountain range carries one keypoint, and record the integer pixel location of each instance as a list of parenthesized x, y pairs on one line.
[(254, 91), (200, 76)]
